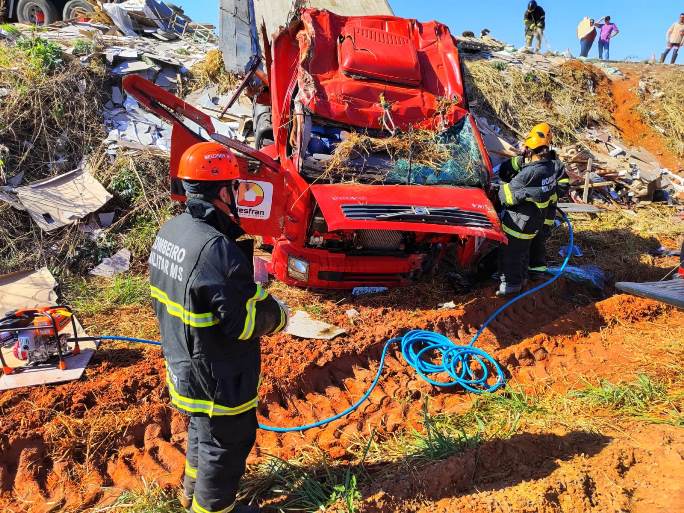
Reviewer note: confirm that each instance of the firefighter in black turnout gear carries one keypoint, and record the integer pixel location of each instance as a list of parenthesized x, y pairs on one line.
[(211, 315), (531, 186)]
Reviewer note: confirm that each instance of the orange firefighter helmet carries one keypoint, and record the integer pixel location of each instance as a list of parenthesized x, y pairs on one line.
[(208, 162)]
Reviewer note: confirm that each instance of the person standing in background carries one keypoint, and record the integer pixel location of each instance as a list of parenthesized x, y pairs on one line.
[(675, 39), (535, 22), (587, 41), (608, 31)]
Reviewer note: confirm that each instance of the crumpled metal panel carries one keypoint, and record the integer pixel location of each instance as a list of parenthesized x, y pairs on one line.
[(329, 91)]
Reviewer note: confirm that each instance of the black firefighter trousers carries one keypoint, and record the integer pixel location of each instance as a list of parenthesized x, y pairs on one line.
[(514, 259), (215, 460), (538, 250)]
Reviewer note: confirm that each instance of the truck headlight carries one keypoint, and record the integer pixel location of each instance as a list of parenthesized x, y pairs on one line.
[(298, 269)]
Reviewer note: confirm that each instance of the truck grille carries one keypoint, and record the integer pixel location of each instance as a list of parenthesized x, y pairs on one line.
[(380, 239), (411, 214)]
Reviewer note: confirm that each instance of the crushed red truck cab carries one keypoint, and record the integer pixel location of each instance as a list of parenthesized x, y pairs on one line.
[(384, 220)]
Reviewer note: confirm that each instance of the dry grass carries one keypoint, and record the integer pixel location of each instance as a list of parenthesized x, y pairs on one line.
[(620, 242), (664, 113), (572, 97), (421, 147), (87, 441), (52, 114), (212, 71)]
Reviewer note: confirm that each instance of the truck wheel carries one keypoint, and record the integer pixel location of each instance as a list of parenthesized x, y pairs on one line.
[(76, 9), (36, 12)]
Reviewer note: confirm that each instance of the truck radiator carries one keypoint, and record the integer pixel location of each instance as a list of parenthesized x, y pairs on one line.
[(379, 239)]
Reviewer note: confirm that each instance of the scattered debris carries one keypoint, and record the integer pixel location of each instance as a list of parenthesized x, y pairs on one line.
[(365, 291), (352, 313), (27, 289), (302, 325), (260, 270), (119, 263), (576, 251), (57, 202), (583, 274)]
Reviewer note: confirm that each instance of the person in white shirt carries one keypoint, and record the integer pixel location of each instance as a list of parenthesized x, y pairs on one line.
[(675, 39)]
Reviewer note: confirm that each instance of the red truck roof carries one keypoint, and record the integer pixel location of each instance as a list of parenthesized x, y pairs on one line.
[(352, 68)]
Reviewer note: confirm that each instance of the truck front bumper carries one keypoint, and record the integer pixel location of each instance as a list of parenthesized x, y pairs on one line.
[(319, 268)]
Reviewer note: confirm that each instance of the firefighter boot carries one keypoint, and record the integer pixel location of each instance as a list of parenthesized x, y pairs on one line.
[(185, 501), (507, 290)]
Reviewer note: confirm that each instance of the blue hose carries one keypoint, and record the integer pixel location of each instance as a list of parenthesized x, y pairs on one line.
[(132, 340), (467, 366)]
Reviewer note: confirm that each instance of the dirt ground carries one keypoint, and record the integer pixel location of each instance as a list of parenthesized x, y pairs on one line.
[(75, 446), (632, 128)]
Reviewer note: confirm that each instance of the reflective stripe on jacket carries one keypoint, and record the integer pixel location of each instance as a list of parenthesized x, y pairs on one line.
[(211, 315), (527, 197)]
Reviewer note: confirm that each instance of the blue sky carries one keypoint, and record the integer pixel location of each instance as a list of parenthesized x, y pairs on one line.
[(642, 23)]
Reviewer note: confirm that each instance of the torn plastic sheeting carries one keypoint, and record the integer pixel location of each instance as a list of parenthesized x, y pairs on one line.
[(588, 274), (166, 18), (498, 148), (121, 19), (62, 200)]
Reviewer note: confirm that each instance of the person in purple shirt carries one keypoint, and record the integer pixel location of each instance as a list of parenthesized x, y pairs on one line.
[(608, 31)]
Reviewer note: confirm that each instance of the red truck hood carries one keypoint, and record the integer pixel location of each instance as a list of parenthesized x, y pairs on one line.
[(353, 68), (412, 208)]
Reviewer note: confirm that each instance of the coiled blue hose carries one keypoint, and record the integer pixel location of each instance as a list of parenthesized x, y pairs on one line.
[(467, 366)]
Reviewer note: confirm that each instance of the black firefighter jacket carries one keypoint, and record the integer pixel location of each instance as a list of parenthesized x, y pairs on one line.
[(527, 197), (211, 315)]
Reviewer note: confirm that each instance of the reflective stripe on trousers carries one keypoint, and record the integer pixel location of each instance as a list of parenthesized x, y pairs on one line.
[(196, 508), (209, 408), (190, 471)]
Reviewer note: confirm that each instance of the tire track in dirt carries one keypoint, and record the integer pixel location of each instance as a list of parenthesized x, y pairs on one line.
[(562, 353), (39, 472)]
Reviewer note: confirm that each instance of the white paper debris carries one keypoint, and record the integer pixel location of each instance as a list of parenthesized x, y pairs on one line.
[(119, 263), (62, 200), (303, 326)]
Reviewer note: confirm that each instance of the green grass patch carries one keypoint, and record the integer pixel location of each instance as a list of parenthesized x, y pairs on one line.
[(98, 295), (44, 55), (83, 47), (442, 437), (151, 499), (307, 485), (644, 398)]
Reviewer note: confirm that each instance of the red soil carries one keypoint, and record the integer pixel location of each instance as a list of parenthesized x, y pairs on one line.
[(580, 472), (632, 127), (59, 446)]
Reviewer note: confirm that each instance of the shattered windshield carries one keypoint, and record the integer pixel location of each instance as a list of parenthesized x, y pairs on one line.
[(417, 157)]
